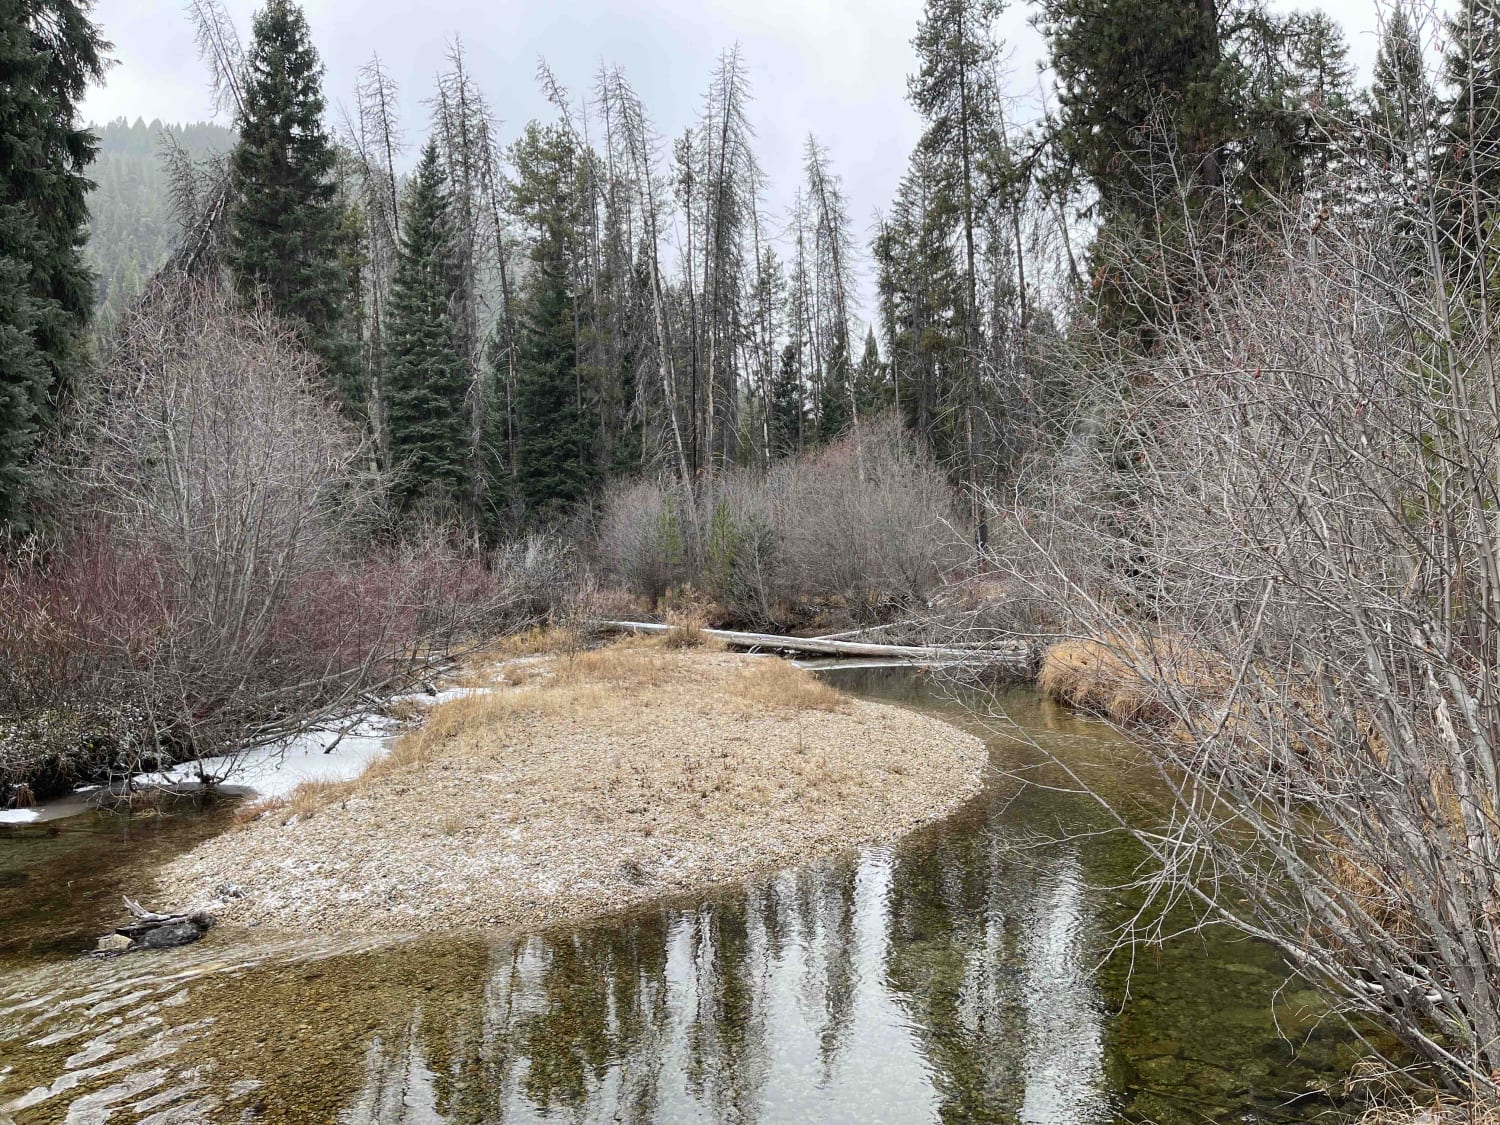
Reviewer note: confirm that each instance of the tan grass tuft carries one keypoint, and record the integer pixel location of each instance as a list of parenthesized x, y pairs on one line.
[(773, 684)]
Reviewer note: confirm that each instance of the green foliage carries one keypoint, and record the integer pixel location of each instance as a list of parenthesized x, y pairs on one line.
[(788, 410), (1161, 96), (288, 230), (1471, 134), (955, 91), (721, 547), (132, 227), (834, 403), (873, 392), (49, 52), (425, 379), (552, 466)]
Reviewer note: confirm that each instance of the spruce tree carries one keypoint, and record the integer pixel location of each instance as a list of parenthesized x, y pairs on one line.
[(1402, 107), (552, 465), (1400, 136), (1472, 133), (288, 236), (872, 386), (49, 52), (425, 379), (1323, 82), (834, 403), (553, 455), (787, 409)]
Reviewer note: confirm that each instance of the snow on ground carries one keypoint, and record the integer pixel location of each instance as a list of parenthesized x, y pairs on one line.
[(336, 754)]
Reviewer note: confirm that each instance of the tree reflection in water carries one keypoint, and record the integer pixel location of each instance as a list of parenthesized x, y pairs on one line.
[(954, 977)]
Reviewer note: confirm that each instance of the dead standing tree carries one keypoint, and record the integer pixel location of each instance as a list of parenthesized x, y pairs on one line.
[(374, 137), (640, 149)]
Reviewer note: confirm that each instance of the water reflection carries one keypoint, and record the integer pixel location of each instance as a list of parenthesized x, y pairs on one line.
[(954, 978)]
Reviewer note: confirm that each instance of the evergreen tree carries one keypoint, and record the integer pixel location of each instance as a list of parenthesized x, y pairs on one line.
[(552, 465), (872, 387), (49, 52), (834, 402), (556, 393), (1127, 71), (425, 379), (788, 413), (1402, 107), (1323, 89), (1471, 126), (1400, 131), (288, 230)]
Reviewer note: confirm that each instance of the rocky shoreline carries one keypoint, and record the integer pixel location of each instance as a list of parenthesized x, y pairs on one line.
[(598, 782)]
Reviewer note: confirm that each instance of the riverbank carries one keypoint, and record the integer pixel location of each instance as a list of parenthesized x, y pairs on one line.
[(570, 787)]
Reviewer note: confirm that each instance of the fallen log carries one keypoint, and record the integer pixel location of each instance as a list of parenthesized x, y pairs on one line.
[(1013, 655)]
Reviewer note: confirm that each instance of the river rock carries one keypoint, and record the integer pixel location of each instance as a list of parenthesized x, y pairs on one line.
[(113, 943), (169, 936)]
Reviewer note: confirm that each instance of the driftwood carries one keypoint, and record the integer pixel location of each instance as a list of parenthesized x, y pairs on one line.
[(150, 921), (1012, 655)]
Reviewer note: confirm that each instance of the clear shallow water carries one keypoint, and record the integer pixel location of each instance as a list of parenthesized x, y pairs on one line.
[(956, 977)]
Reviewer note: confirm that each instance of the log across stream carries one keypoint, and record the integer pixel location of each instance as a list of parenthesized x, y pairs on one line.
[(1011, 656)]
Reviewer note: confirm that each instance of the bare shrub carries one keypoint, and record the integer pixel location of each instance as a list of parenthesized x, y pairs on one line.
[(867, 526), (219, 579), (870, 522), (1285, 539)]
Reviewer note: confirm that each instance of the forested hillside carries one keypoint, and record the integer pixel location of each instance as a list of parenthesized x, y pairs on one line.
[(132, 224)]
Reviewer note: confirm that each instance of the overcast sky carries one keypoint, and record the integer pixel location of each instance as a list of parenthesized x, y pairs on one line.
[(836, 68)]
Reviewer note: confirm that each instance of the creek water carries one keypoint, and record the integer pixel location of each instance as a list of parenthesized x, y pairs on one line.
[(962, 975)]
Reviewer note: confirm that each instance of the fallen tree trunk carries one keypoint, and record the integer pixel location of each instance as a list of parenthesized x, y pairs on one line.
[(1012, 655)]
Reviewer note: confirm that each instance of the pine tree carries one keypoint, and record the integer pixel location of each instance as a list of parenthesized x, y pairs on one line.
[(552, 467), (288, 231), (1471, 125), (788, 413), (872, 386), (49, 52), (425, 379), (1125, 73)]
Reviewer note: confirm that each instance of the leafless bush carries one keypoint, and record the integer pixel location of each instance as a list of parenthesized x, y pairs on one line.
[(1286, 532), (871, 522), (220, 579), (868, 526)]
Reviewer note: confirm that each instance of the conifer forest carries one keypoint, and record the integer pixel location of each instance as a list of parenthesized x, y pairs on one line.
[(1156, 412)]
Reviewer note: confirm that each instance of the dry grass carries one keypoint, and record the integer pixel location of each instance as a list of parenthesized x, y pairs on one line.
[(612, 777), (1095, 676), (539, 641), (584, 682), (1437, 1110), (772, 684)]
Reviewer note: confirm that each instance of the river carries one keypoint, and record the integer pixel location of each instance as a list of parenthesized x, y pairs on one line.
[(963, 975)]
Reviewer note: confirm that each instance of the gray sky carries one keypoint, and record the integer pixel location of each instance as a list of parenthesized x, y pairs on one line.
[(833, 67)]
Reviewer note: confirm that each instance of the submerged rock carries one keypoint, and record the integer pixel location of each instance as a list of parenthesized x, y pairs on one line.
[(154, 931), (169, 936)]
